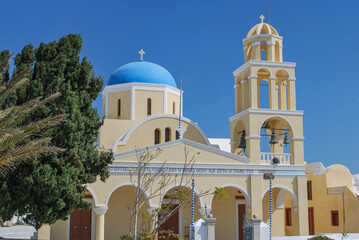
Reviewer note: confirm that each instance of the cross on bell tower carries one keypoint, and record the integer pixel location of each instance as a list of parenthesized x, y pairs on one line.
[(262, 18)]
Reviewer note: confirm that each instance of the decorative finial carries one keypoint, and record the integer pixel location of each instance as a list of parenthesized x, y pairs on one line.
[(262, 18), (141, 52)]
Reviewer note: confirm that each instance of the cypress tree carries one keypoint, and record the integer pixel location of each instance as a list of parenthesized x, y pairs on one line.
[(47, 188)]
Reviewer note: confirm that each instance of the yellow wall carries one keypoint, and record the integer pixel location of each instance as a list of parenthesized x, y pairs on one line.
[(117, 218), (170, 99), (141, 97), (144, 135), (59, 230), (332, 191), (113, 98)]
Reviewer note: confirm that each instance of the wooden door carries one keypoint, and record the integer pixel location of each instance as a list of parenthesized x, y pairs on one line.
[(241, 211), (80, 225), (172, 224), (311, 220)]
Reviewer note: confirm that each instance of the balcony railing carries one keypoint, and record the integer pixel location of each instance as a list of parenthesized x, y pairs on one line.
[(284, 158)]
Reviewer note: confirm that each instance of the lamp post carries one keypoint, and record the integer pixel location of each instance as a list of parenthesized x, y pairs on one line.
[(269, 176)]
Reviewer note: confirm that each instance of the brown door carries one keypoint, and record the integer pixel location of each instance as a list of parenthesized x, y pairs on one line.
[(241, 211), (311, 220), (171, 224), (80, 225)]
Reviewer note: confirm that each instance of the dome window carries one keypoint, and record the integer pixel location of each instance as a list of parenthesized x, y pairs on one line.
[(149, 106)]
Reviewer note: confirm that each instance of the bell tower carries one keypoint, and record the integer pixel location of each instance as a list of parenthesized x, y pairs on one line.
[(267, 127)]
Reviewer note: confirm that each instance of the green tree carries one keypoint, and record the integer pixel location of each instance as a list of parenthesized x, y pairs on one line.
[(47, 188), (19, 142)]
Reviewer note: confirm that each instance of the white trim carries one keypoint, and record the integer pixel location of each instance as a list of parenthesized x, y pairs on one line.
[(92, 194), (165, 101), (124, 138), (262, 35), (208, 148), (140, 86), (263, 64), (253, 137), (284, 118), (289, 191), (243, 81), (149, 202), (132, 104), (298, 138), (291, 79), (200, 200), (272, 78), (219, 166), (252, 76), (266, 111), (255, 43)]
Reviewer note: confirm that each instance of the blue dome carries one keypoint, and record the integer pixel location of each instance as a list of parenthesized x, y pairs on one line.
[(142, 72)]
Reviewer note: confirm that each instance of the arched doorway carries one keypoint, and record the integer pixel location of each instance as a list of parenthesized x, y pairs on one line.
[(230, 213), (284, 203), (119, 217), (176, 206)]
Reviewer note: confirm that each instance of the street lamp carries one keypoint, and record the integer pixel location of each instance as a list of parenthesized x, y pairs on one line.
[(269, 176)]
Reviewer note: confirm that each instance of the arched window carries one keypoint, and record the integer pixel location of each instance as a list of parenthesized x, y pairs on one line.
[(263, 100), (177, 135), (149, 106), (119, 107), (167, 134), (263, 47), (174, 108), (157, 136)]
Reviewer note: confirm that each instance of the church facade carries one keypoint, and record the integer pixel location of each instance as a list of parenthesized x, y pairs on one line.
[(141, 106)]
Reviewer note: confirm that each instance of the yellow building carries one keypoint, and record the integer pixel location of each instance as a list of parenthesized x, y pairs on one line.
[(141, 105), (333, 205)]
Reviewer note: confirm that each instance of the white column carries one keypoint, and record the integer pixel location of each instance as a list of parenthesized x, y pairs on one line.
[(165, 101), (210, 225), (100, 222), (132, 104), (273, 93), (253, 91)]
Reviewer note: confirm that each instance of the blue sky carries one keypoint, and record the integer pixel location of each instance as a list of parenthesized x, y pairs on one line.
[(201, 41)]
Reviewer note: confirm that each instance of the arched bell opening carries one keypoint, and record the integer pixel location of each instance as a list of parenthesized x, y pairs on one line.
[(275, 142), (283, 94), (249, 52), (176, 213), (283, 208), (263, 88), (264, 50), (239, 143), (230, 213)]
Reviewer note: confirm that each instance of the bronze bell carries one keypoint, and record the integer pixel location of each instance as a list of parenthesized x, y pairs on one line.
[(286, 140), (273, 139), (243, 143)]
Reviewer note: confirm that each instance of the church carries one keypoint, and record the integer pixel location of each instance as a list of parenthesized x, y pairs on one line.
[(142, 110)]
